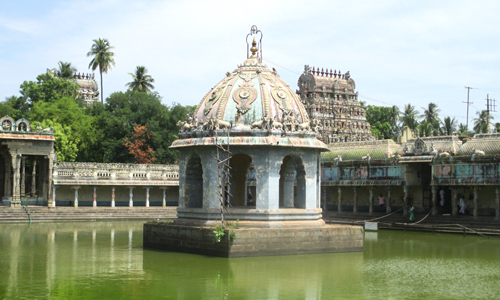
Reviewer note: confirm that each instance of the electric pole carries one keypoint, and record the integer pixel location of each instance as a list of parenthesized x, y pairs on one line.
[(468, 103), (490, 106)]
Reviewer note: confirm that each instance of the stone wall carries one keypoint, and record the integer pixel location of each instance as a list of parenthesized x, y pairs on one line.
[(254, 241)]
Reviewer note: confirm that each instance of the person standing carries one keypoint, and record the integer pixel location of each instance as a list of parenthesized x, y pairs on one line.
[(381, 202), (462, 205)]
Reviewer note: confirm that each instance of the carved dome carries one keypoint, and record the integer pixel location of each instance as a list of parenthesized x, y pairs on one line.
[(248, 94), (251, 106)]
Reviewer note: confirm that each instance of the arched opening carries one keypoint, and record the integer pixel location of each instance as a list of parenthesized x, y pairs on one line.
[(193, 187), (240, 164), (292, 190)]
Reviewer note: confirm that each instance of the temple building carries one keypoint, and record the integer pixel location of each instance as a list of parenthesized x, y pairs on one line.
[(330, 97), (89, 88)]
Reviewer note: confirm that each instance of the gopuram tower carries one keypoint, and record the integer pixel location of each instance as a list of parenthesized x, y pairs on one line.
[(330, 98)]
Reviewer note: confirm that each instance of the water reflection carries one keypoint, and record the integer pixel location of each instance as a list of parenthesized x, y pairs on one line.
[(105, 260)]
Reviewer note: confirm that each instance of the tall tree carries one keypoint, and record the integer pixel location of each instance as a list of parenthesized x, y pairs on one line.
[(141, 82), (430, 115), (449, 126), (481, 122), (66, 70), (409, 117), (103, 58)]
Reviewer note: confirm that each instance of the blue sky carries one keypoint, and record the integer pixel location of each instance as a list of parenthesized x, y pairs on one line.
[(398, 52)]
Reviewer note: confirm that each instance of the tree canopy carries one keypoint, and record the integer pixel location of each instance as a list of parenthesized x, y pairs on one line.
[(141, 82)]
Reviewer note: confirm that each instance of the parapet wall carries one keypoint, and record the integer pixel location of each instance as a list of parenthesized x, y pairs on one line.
[(254, 241)]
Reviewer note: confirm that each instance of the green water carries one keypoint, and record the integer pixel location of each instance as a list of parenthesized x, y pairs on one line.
[(105, 260)]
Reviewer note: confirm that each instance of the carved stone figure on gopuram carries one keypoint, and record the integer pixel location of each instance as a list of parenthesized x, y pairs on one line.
[(330, 98)]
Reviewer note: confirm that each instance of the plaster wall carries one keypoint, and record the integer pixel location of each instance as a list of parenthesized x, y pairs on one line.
[(65, 195), (267, 162)]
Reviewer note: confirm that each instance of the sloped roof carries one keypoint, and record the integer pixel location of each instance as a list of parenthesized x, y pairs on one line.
[(489, 143), (355, 151)]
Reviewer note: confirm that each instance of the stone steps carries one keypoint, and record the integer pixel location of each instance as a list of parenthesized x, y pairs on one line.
[(46, 214), (439, 223)]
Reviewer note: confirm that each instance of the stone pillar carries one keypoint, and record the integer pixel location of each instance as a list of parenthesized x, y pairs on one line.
[(325, 198), (475, 213), (454, 194), (405, 198), (94, 197), (147, 196), (370, 209), (53, 204), (339, 208), (164, 202), (16, 191), (50, 167), (113, 197), (288, 185), (33, 178), (23, 176), (75, 203), (355, 205), (497, 202), (131, 197), (8, 178), (388, 208), (434, 199)]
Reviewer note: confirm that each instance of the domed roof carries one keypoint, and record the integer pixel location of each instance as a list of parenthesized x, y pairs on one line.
[(248, 94), (251, 106)]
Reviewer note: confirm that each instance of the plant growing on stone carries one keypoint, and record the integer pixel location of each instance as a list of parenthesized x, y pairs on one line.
[(218, 233)]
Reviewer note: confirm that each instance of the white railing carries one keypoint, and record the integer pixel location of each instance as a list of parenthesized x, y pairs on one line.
[(115, 171)]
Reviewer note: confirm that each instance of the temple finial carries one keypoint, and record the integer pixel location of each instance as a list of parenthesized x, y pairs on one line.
[(254, 48)]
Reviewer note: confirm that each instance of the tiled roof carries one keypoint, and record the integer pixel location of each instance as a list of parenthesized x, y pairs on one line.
[(355, 151), (489, 143)]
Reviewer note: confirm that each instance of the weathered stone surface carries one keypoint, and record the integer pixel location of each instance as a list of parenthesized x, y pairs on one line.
[(254, 241)]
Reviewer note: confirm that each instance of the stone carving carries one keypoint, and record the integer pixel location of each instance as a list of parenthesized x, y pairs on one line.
[(246, 94), (289, 121), (214, 97), (39, 128), (215, 124), (338, 158), (50, 129), (305, 126), (184, 126), (477, 153), (367, 158)]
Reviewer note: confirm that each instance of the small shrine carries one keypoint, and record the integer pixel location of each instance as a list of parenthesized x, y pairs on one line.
[(250, 154)]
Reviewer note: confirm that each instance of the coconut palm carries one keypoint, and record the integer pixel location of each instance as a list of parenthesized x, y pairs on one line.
[(409, 117), (425, 129), (449, 126), (66, 70), (497, 127), (103, 58), (481, 122), (430, 114), (142, 82)]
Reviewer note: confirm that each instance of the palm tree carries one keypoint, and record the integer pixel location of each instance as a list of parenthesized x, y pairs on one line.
[(409, 117), (481, 122), (449, 126), (103, 58), (430, 114), (425, 129), (497, 127), (66, 70), (142, 82)]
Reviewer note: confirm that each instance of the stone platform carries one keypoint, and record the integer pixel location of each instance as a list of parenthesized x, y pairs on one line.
[(253, 241)]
